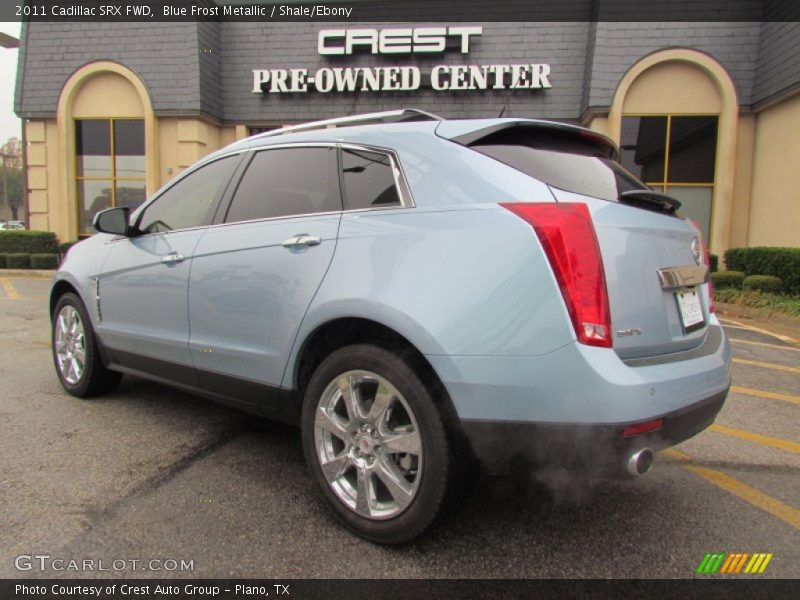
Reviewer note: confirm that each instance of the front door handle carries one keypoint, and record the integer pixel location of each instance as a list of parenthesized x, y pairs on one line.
[(173, 258), (301, 239)]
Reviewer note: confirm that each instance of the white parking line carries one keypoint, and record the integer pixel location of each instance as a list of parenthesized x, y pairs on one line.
[(740, 325), (751, 343)]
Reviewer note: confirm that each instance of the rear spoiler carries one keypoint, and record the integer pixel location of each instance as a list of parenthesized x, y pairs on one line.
[(470, 132)]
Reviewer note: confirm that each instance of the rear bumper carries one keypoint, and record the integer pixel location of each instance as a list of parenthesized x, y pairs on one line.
[(596, 446), (571, 405)]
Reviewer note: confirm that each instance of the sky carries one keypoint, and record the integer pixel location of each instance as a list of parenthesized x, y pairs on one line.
[(10, 125)]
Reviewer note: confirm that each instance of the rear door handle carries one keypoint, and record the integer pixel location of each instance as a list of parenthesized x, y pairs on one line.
[(173, 258), (301, 239)]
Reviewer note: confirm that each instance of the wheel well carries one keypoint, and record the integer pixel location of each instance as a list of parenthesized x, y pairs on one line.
[(347, 331), (59, 289)]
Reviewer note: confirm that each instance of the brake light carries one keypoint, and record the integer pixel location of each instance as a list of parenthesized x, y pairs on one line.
[(567, 235)]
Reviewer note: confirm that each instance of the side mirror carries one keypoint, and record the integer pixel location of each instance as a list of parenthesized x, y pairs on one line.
[(112, 220)]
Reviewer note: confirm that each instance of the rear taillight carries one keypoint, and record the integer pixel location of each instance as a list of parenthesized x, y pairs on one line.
[(567, 235)]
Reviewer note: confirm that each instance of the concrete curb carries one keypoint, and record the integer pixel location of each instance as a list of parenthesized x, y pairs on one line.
[(781, 323), (28, 273)]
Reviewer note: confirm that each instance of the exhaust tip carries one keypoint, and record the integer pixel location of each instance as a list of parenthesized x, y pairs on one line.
[(640, 462)]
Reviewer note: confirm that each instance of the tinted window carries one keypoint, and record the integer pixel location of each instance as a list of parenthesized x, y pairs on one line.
[(562, 161), (692, 149), (189, 202), (644, 143), (129, 148), (293, 181), (368, 180), (93, 147), (675, 149)]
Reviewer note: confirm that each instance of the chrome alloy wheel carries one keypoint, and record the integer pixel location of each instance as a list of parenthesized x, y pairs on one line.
[(70, 344), (368, 445)]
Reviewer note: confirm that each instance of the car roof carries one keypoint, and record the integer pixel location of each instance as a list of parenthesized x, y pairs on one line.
[(363, 129)]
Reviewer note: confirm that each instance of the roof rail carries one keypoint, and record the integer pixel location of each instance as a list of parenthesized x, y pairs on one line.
[(389, 116)]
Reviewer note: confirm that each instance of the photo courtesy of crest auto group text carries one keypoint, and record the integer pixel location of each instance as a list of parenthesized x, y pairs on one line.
[(370, 298)]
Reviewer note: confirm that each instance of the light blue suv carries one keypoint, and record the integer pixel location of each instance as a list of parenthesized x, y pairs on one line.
[(416, 293)]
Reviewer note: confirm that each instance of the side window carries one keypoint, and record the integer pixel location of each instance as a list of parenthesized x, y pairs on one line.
[(368, 180), (188, 202), (284, 182)]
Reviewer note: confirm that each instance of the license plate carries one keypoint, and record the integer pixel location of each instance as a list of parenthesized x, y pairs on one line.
[(690, 310)]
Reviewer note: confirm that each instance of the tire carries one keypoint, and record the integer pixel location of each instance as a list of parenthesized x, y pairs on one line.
[(75, 354), (396, 417)]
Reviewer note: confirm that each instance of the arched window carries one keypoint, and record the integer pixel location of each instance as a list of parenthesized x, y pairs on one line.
[(110, 153), (675, 116)]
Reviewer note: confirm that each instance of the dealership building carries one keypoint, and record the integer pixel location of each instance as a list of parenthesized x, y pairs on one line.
[(708, 112)]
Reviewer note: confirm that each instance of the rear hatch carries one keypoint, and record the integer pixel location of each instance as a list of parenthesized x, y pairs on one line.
[(653, 258)]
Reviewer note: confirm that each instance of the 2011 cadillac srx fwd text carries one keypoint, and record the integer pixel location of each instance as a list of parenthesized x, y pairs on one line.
[(419, 295)]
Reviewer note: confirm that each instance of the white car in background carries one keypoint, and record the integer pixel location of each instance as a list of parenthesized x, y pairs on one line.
[(12, 225)]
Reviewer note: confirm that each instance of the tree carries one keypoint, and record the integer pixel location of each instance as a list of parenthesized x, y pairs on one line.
[(11, 156), (14, 186), (12, 150)]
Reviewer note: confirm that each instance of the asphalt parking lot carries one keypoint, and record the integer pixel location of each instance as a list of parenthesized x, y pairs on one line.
[(149, 472)]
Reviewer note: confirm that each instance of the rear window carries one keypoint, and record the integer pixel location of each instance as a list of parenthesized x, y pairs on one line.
[(561, 160), (368, 180)]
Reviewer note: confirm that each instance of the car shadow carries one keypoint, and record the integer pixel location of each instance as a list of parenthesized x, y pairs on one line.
[(554, 518)]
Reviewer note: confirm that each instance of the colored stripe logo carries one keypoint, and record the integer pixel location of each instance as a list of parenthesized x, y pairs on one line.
[(734, 563)]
